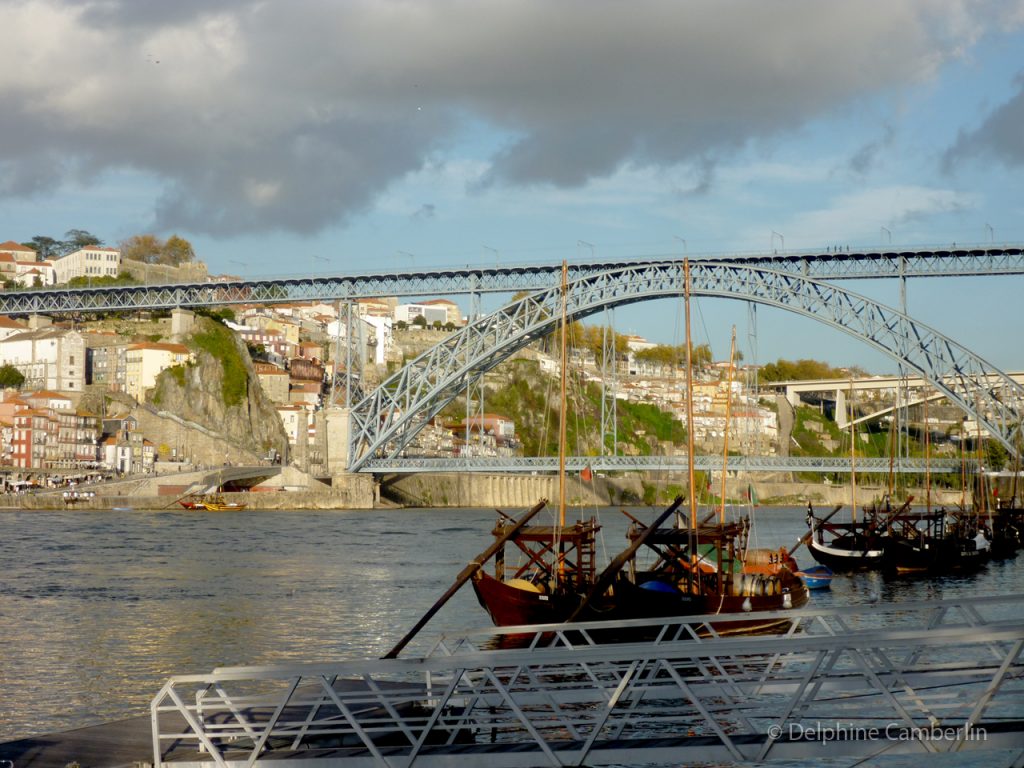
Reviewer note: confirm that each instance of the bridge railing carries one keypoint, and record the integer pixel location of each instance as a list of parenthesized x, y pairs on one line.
[(539, 464)]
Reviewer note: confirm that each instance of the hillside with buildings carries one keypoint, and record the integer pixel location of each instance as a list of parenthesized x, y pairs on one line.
[(151, 392)]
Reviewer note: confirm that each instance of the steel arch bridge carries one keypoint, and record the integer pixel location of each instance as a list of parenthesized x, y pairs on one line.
[(384, 423)]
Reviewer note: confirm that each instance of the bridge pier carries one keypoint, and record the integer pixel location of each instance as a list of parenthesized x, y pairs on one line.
[(335, 421), (182, 321)]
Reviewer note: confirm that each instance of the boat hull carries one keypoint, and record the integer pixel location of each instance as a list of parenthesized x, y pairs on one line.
[(847, 554), (932, 556), (508, 605), (817, 577)]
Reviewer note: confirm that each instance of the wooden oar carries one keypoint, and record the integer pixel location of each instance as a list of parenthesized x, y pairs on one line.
[(464, 575), (608, 574)]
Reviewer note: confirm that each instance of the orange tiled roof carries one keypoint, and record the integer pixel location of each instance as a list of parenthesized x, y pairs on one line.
[(10, 245), (161, 346)]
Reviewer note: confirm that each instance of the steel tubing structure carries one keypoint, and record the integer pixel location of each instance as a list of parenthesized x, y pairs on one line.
[(385, 422), (923, 262), (923, 678)]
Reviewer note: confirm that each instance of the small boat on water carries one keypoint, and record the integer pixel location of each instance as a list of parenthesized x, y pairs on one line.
[(219, 505), (817, 576), (192, 501)]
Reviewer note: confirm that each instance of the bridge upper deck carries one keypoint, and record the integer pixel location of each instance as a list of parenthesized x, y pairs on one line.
[(972, 260)]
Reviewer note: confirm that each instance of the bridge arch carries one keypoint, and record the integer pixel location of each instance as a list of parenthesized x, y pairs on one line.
[(384, 422)]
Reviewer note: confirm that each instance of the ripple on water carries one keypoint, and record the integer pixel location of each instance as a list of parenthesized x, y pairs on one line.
[(99, 610)]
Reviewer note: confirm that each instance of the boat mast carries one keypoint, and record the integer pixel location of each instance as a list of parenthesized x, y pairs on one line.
[(963, 472), (561, 409), (982, 491), (690, 586), (853, 460), (892, 451), (927, 460), (728, 413), (689, 401)]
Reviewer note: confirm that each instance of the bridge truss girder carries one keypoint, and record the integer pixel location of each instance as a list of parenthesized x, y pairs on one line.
[(385, 422), (922, 262)]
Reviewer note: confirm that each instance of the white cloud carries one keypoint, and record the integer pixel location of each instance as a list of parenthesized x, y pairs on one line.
[(866, 211)]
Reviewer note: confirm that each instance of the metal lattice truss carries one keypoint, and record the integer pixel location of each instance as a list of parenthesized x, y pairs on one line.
[(932, 262), (922, 678), (534, 464), (384, 423)]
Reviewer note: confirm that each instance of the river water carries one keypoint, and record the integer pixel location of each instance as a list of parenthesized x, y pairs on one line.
[(97, 609)]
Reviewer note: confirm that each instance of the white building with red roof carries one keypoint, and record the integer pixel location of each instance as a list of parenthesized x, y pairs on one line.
[(91, 261)]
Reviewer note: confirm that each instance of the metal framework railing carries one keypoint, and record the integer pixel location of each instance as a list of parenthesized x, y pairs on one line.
[(386, 421), (538, 464), (926, 677), (977, 260)]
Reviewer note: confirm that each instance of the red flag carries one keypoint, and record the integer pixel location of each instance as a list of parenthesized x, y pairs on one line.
[(586, 474)]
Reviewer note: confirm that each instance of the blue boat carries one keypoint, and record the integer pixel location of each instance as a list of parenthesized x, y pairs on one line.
[(816, 577)]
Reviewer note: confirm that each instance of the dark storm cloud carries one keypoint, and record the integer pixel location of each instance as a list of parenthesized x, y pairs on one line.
[(864, 159), (1001, 134), (296, 115)]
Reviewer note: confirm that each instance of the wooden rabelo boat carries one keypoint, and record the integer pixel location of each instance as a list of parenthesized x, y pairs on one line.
[(934, 542), (849, 546), (192, 501), (1006, 527), (697, 569)]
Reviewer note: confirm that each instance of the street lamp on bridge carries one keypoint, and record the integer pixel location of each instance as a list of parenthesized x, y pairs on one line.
[(782, 241)]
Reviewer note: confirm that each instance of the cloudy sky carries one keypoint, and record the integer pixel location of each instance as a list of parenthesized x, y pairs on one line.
[(334, 135)]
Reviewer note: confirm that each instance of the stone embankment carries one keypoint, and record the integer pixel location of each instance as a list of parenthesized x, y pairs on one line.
[(511, 490), (514, 490), (294, 490)]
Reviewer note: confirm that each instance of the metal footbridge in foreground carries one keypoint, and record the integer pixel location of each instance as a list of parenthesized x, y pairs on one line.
[(926, 677)]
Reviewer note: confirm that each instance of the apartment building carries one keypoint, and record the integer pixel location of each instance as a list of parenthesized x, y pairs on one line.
[(144, 362), (49, 358), (92, 261)]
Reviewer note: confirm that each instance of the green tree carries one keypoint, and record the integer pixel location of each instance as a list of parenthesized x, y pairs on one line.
[(144, 248), (788, 370), (76, 239), (177, 251), (45, 247), (419, 321), (11, 376)]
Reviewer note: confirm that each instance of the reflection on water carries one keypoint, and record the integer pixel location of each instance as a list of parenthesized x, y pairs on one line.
[(98, 608)]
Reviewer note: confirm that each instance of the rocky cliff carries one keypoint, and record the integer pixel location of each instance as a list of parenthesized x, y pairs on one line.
[(220, 391)]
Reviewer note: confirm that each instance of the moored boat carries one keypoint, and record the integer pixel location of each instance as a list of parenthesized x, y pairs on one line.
[(219, 505), (817, 576), (852, 546), (191, 502), (933, 542)]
